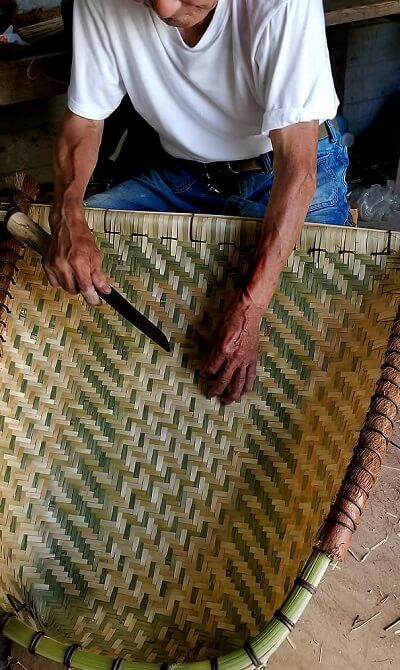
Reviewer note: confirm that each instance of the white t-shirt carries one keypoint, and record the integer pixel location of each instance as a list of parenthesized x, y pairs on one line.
[(261, 65)]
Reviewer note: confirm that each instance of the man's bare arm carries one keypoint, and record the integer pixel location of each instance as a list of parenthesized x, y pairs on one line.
[(233, 360), (73, 260), (295, 154)]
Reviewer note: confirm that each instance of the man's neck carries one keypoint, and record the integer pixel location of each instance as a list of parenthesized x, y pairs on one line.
[(192, 36)]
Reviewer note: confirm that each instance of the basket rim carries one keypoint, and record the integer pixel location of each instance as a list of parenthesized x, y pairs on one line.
[(254, 654)]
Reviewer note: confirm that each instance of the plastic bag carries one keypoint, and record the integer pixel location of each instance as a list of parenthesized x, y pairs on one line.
[(10, 37), (378, 203)]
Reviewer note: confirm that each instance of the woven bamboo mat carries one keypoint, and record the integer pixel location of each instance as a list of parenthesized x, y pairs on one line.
[(138, 517)]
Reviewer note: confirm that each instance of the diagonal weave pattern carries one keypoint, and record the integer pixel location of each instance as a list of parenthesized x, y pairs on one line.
[(139, 517)]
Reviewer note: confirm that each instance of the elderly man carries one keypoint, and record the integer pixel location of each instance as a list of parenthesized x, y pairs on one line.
[(240, 93)]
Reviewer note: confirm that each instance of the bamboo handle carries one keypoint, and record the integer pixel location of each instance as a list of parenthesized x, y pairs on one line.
[(23, 229)]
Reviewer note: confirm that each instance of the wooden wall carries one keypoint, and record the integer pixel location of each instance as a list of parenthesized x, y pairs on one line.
[(27, 131), (372, 72), (27, 5)]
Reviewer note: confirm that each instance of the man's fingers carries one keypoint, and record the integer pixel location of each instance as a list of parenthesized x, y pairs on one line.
[(76, 278), (222, 381), (215, 363), (100, 282), (82, 267), (250, 377), (236, 387), (51, 276), (232, 383), (61, 275), (91, 296), (67, 279), (233, 360)]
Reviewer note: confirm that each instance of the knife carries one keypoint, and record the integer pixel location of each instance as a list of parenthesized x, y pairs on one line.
[(25, 230), (136, 318)]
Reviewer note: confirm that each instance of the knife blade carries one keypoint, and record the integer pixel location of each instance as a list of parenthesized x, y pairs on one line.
[(136, 318)]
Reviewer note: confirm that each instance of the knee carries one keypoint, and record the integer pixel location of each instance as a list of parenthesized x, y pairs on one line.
[(121, 196)]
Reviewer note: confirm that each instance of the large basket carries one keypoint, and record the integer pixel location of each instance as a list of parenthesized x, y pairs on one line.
[(142, 521)]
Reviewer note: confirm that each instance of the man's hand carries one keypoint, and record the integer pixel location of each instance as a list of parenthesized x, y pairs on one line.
[(73, 260), (233, 359)]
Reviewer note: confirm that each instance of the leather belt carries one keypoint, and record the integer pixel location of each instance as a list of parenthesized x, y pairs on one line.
[(257, 163)]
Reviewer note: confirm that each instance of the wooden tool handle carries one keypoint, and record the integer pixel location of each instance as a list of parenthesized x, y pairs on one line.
[(23, 229)]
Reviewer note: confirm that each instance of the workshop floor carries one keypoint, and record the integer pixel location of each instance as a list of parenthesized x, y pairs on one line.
[(327, 637)]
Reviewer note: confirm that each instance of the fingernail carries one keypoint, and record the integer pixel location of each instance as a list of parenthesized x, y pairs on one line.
[(92, 297)]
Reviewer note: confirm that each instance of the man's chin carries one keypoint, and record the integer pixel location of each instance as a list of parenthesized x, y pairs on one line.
[(172, 22), (177, 24)]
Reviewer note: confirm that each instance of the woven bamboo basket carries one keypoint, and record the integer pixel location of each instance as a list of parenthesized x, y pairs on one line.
[(143, 525)]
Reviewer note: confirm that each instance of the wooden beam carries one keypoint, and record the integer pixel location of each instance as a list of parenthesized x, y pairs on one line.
[(346, 11), (34, 77)]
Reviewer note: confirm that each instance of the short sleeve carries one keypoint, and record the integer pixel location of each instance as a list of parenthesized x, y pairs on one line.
[(96, 88), (292, 58)]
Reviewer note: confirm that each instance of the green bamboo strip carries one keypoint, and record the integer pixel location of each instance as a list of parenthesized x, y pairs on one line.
[(273, 635), (264, 645), (21, 634)]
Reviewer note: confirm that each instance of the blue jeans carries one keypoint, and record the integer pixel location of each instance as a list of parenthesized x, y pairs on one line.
[(179, 187)]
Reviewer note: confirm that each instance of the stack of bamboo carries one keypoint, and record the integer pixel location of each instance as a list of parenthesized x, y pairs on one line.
[(41, 31)]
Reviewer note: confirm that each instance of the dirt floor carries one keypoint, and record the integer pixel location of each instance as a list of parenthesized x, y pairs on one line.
[(325, 637), (328, 636)]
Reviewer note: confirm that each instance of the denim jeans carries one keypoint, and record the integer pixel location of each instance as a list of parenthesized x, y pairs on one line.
[(178, 187)]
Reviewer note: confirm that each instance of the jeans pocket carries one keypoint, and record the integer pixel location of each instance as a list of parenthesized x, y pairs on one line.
[(178, 179), (330, 199)]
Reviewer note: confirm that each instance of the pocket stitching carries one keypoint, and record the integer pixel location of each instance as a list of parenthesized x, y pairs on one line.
[(332, 201), (184, 188)]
